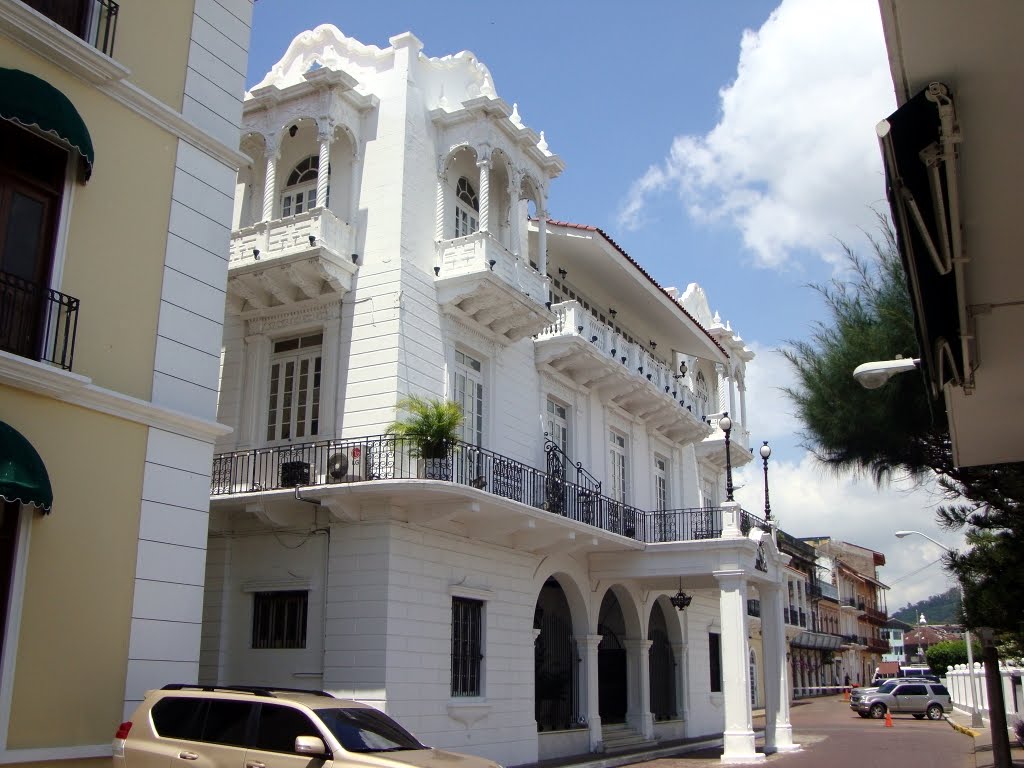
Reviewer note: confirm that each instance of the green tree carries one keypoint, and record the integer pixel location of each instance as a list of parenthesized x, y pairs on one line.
[(949, 653), (898, 430)]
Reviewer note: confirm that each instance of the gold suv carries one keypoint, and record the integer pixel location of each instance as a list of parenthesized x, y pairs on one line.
[(235, 726)]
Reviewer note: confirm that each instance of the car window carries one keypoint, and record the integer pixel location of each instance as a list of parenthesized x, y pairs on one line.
[(227, 722), (911, 690), (278, 727), (367, 730), (886, 687), (940, 690), (176, 717)]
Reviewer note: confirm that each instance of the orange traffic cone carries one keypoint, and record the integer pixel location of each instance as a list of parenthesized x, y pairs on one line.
[(888, 719), (846, 695)]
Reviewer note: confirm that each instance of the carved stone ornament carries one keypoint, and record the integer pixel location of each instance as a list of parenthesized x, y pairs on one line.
[(310, 314)]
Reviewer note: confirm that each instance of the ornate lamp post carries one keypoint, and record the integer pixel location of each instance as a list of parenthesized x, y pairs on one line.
[(725, 424), (766, 451)]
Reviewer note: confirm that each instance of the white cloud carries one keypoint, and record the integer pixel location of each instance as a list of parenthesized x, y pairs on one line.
[(793, 161)]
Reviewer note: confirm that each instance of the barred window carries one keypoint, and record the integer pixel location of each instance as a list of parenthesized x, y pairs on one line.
[(715, 661), (279, 619), (467, 634)]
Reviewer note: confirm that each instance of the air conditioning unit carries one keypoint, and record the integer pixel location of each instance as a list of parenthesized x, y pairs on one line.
[(346, 464)]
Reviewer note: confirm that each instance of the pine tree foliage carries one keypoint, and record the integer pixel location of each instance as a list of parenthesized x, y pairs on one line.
[(898, 431)]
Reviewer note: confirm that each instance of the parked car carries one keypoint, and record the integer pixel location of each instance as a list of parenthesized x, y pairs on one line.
[(237, 725), (919, 698)]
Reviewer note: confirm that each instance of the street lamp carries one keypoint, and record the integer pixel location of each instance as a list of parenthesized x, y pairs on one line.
[(766, 451), (725, 424), (975, 709), (875, 374)]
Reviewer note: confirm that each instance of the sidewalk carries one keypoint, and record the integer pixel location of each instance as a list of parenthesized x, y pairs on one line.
[(961, 721)]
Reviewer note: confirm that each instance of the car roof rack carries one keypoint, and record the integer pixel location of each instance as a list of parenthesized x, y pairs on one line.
[(255, 690)]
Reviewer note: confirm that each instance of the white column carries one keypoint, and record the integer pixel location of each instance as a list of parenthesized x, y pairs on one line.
[(681, 651), (484, 169), (270, 179), (516, 225), (324, 133), (330, 417), (440, 206), (257, 359), (738, 735), (778, 732), (542, 240), (638, 653), (731, 511), (589, 644), (354, 183)]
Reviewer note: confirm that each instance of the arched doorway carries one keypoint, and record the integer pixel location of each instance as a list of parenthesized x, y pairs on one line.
[(662, 668), (612, 690), (556, 666)]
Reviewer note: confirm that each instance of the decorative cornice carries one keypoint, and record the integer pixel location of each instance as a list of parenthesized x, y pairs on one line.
[(311, 313), (75, 389)]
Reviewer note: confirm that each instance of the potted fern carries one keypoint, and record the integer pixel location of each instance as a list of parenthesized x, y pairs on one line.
[(431, 428)]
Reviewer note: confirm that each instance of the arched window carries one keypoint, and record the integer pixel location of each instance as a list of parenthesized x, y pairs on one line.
[(467, 208), (702, 394), (300, 191)]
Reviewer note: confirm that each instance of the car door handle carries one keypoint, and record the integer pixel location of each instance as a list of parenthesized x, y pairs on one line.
[(254, 764), (188, 755)]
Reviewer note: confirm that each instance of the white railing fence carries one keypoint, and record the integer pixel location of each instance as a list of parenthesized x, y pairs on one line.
[(958, 681)]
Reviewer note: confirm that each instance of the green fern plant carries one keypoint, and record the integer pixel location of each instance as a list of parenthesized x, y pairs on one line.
[(430, 424)]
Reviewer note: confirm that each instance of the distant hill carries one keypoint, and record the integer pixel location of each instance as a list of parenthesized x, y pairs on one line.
[(937, 609)]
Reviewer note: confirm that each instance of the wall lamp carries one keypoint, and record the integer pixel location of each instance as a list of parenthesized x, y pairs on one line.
[(256, 253), (355, 258), (613, 312), (654, 344), (680, 600), (312, 240), (562, 272), (682, 371)]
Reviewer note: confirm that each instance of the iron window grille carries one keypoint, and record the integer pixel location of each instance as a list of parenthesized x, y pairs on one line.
[(715, 661), (467, 636), (279, 619)]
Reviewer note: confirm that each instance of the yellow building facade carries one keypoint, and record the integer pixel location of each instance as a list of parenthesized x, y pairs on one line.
[(117, 168)]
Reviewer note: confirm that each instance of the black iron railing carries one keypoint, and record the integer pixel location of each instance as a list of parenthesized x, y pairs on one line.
[(103, 25), (95, 21), (36, 322), (384, 457), (556, 665)]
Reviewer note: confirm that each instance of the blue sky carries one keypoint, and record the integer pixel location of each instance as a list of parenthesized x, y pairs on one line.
[(725, 143)]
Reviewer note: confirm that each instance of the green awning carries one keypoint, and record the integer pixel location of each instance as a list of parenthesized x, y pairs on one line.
[(35, 104), (22, 472)]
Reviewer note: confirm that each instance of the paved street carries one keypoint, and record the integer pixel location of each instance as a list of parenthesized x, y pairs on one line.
[(832, 735)]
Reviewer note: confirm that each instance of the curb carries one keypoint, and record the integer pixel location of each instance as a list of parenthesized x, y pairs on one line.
[(963, 729)]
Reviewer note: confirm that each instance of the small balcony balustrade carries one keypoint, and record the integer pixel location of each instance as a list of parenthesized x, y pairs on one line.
[(489, 288), (285, 261), (712, 448), (36, 322), (874, 616), (384, 458), (579, 346)]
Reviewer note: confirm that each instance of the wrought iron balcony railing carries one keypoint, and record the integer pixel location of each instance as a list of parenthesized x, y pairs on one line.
[(383, 457), (95, 21), (36, 322), (849, 602)]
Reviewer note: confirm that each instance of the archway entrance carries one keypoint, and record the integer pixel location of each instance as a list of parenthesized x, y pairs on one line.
[(556, 662), (662, 668), (612, 691)]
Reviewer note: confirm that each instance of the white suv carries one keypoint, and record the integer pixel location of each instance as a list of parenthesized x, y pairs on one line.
[(222, 727)]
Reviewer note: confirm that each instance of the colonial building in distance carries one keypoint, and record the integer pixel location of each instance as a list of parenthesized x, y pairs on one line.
[(570, 574), (118, 155)]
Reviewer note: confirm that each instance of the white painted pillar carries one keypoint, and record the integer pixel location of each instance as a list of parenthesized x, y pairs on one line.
[(330, 418), (257, 359), (681, 652), (778, 734), (743, 404), (354, 184), (324, 133), (270, 179), (542, 240), (589, 644), (738, 735), (638, 653), (440, 206), (516, 226), (484, 169), (731, 512)]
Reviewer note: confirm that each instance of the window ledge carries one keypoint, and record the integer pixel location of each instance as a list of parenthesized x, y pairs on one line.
[(51, 41), (469, 711)]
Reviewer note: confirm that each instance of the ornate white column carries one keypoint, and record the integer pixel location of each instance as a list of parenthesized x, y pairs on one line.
[(484, 169), (738, 735), (334, 372), (440, 204), (638, 654), (589, 644), (325, 131), (270, 178), (778, 732), (257, 360), (542, 240), (358, 151), (681, 652)]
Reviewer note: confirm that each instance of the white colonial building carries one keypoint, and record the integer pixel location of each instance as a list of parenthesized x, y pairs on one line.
[(514, 598)]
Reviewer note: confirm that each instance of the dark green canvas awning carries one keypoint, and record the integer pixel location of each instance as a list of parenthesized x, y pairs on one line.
[(23, 475), (35, 104)]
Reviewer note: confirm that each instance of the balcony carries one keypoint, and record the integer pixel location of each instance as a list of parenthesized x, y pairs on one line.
[(877, 646), (486, 286), (274, 264), (383, 458), (712, 448), (849, 602), (580, 347), (37, 323), (829, 592), (874, 616)]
